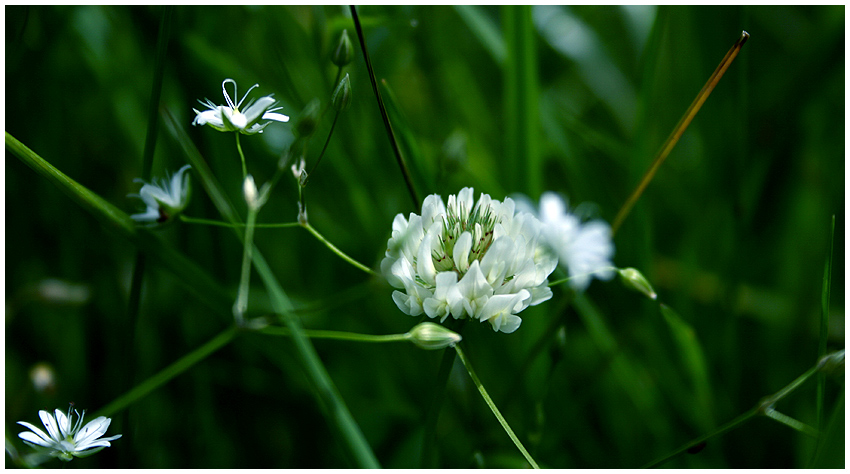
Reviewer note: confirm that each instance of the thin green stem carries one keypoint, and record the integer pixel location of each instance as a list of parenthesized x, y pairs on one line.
[(493, 408), (241, 157), (702, 439), (197, 220), (565, 280), (337, 335), (168, 373), (330, 134), (393, 142), (241, 303), (337, 251)]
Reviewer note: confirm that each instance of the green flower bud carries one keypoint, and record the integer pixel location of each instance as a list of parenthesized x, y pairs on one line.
[(308, 119), (343, 52), (342, 94), (432, 336), (635, 280)]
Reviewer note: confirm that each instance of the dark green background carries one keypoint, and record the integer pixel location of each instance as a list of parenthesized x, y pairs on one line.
[(733, 231)]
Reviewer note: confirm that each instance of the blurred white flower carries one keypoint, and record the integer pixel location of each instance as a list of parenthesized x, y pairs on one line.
[(165, 199), (228, 118), (468, 259), (585, 249), (64, 438)]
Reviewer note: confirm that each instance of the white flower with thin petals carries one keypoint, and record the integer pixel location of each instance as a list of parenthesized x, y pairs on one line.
[(584, 249), (229, 118), (479, 260), (164, 199), (66, 439)]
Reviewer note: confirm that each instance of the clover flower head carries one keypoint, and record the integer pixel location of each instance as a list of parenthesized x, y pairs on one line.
[(585, 249), (480, 260), (65, 438), (164, 199), (229, 118)]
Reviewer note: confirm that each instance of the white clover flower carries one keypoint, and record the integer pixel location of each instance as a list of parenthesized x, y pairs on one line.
[(64, 438), (228, 118), (165, 199), (585, 249), (466, 259)]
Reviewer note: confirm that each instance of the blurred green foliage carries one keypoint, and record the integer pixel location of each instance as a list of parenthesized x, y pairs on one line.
[(733, 232)]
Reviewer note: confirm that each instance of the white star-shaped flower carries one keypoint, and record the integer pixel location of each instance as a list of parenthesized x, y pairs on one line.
[(229, 118), (64, 438), (164, 199)]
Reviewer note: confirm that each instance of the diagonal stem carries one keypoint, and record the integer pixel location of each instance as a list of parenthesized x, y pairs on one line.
[(399, 157), (680, 128)]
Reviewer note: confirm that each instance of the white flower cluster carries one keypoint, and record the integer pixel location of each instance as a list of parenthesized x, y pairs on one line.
[(585, 249), (480, 260)]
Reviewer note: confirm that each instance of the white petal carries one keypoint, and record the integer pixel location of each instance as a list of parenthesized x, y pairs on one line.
[(253, 113), (212, 117), (275, 116), (424, 261), (50, 423), (93, 429), (461, 251), (37, 436)]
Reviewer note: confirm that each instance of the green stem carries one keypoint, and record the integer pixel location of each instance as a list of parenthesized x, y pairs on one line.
[(168, 373), (241, 157), (493, 408), (330, 134), (719, 431), (337, 335), (197, 220), (565, 280), (241, 303), (383, 109), (337, 251)]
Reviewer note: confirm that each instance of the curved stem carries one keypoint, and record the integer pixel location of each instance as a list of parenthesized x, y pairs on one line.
[(337, 335), (330, 134), (493, 408), (337, 251)]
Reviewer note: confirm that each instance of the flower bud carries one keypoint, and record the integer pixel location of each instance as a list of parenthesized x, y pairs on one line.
[(302, 213), (308, 119), (343, 52), (249, 189), (432, 336), (635, 280), (342, 94)]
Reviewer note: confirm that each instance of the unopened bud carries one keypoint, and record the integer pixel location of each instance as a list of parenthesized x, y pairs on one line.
[(342, 94), (432, 336), (249, 189), (302, 212), (635, 280), (308, 119), (343, 52)]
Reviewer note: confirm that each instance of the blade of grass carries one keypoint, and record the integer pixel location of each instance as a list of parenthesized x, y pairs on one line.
[(398, 155), (824, 328), (524, 168), (483, 29), (693, 359), (679, 129)]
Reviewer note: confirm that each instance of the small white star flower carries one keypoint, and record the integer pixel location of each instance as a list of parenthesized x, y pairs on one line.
[(165, 199), (64, 438), (585, 249), (229, 118), (470, 259)]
